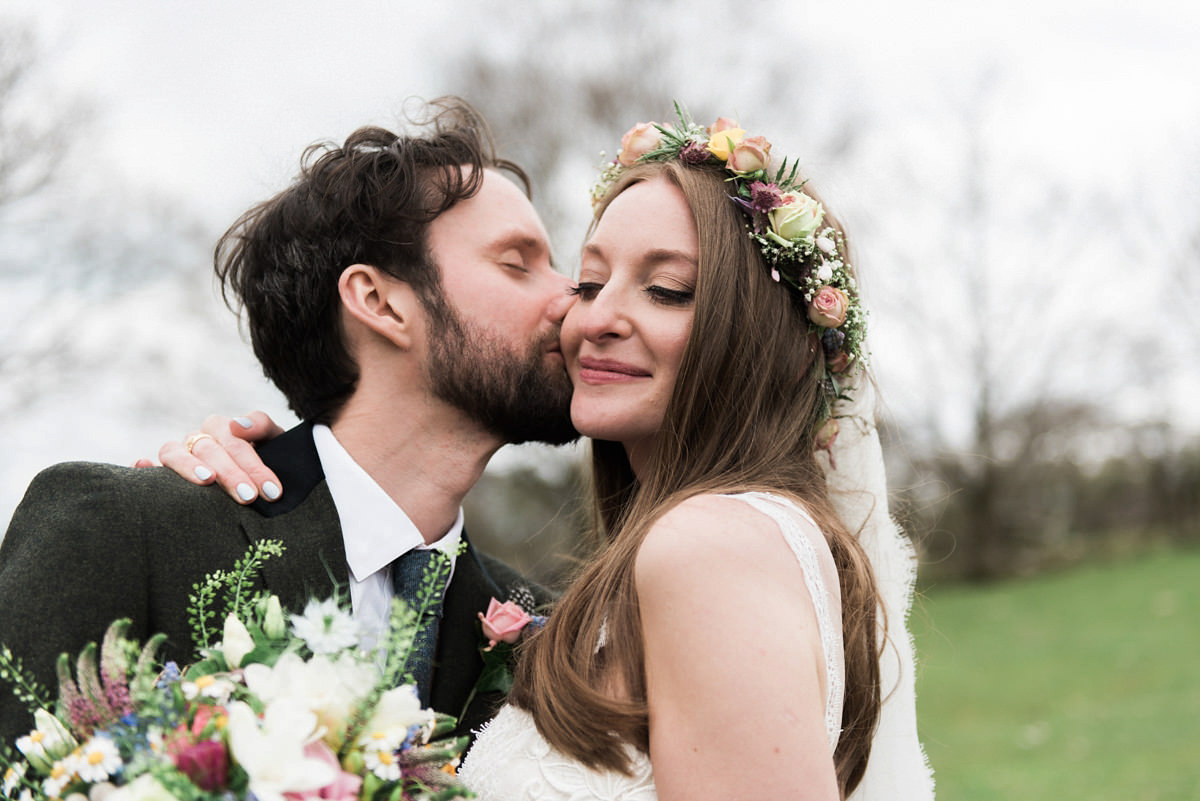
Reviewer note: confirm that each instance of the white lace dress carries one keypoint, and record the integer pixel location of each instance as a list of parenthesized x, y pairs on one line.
[(510, 760)]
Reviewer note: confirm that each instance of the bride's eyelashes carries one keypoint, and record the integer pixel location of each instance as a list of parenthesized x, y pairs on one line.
[(670, 297), (666, 296)]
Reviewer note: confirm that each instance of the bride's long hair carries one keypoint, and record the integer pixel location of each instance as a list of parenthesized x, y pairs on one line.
[(743, 416)]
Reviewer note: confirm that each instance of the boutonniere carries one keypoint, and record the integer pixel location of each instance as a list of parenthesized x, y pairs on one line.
[(502, 626)]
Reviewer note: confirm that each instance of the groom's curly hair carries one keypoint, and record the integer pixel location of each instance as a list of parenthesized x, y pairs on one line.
[(369, 201)]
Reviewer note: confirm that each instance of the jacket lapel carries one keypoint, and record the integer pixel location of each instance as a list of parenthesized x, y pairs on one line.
[(305, 519)]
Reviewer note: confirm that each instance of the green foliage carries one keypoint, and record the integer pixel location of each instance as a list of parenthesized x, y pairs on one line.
[(236, 585), (1075, 685), (25, 686)]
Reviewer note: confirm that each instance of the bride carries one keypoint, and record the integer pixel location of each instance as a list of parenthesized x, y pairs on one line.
[(724, 642)]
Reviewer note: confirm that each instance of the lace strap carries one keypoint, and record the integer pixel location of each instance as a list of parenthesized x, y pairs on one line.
[(787, 515)]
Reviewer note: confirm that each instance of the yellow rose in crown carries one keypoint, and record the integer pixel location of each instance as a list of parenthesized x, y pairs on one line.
[(797, 219), (723, 136), (637, 142)]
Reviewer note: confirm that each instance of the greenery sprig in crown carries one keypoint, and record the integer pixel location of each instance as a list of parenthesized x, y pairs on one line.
[(799, 248)]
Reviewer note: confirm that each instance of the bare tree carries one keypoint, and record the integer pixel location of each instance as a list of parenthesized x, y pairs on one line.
[(1000, 291)]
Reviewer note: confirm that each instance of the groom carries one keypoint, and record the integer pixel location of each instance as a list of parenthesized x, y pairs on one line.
[(401, 295)]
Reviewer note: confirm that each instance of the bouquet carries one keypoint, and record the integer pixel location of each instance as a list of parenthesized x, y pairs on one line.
[(280, 708)]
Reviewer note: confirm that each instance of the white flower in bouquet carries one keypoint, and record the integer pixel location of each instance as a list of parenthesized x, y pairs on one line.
[(219, 688), (325, 627), (12, 779), (397, 712), (98, 759), (49, 741), (237, 641), (273, 754), (143, 788), (329, 688)]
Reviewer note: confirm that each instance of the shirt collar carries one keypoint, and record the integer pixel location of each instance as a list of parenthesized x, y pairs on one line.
[(375, 530)]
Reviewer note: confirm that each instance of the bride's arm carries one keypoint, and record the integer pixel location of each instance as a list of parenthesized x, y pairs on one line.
[(734, 665), (227, 456)]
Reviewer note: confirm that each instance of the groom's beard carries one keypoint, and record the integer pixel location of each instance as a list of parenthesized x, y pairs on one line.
[(517, 396)]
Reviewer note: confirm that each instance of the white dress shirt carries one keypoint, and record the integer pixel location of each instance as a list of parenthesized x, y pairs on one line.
[(375, 531)]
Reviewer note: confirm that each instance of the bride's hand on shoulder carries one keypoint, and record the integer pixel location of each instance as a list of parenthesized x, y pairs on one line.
[(222, 451)]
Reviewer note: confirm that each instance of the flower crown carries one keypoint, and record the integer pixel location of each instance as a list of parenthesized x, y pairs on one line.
[(788, 225)]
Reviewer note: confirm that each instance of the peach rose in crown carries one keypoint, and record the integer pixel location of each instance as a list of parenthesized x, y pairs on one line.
[(752, 155), (637, 142), (504, 622), (724, 136), (828, 307), (827, 434)]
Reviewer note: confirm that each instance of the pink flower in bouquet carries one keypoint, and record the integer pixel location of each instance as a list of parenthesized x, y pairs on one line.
[(205, 714), (504, 621), (638, 141), (206, 763), (828, 307), (344, 787), (751, 155)]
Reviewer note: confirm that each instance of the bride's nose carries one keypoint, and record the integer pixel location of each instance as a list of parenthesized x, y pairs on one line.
[(604, 316)]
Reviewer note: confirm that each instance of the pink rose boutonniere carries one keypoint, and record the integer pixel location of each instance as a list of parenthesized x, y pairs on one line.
[(504, 622)]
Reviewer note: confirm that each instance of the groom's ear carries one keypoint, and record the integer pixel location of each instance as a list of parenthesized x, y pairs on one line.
[(383, 304)]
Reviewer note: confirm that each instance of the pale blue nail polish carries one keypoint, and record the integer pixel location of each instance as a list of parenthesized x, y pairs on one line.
[(271, 490), (246, 492), (244, 422), (202, 472)]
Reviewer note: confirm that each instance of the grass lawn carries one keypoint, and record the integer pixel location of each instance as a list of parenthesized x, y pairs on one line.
[(1078, 685)]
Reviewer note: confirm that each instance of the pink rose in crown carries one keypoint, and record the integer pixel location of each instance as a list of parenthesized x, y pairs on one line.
[(827, 433), (751, 155), (638, 141), (838, 362), (722, 124), (828, 307), (504, 621)]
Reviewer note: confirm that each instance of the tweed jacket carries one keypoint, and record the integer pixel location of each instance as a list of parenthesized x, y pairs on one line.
[(92, 543)]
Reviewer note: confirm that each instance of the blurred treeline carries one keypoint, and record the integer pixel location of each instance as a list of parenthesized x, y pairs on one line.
[(1034, 335)]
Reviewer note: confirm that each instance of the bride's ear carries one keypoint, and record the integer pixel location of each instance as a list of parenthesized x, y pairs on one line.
[(385, 305)]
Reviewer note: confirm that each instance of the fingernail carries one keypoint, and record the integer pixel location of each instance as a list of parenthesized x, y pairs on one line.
[(244, 422), (246, 492), (202, 472), (271, 490)]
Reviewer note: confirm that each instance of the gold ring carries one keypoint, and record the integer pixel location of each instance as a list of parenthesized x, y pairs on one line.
[(191, 441)]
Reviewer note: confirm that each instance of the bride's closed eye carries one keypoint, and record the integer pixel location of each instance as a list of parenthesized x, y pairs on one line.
[(670, 297)]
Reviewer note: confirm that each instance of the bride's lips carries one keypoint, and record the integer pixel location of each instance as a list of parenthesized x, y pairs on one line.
[(608, 371)]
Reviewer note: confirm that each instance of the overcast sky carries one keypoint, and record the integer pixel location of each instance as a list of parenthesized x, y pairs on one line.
[(214, 100)]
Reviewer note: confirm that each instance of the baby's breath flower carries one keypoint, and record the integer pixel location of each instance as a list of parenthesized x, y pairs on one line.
[(325, 627)]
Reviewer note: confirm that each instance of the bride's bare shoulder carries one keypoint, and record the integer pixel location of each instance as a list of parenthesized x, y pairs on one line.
[(706, 534)]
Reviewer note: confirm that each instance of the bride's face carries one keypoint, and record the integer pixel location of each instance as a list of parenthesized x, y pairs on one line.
[(624, 338)]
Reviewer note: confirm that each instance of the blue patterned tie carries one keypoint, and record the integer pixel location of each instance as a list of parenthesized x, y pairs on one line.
[(408, 574)]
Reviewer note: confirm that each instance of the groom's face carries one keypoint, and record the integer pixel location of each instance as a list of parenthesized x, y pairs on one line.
[(494, 350)]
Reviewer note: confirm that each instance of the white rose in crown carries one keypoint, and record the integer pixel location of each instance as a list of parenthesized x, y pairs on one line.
[(798, 219)]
